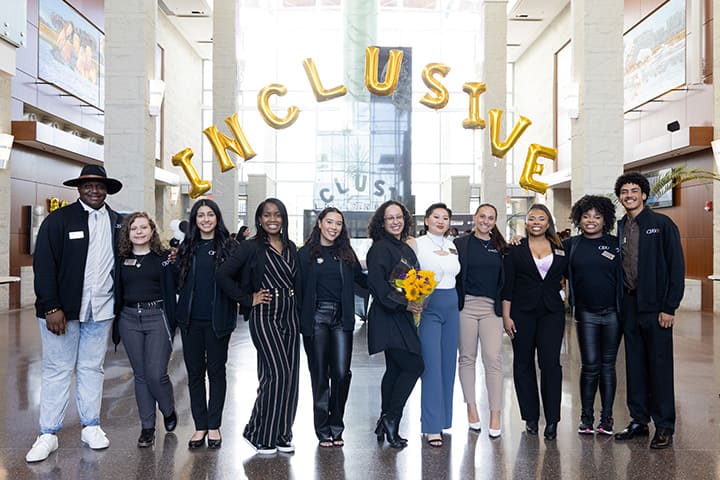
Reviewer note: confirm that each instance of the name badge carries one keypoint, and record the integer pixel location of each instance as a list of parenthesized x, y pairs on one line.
[(560, 252), (130, 262), (607, 255), (76, 235)]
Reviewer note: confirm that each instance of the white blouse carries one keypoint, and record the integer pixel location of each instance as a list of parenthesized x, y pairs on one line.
[(438, 254)]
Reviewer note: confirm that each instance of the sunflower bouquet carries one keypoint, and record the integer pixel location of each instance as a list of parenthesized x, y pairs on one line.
[(416, 285)]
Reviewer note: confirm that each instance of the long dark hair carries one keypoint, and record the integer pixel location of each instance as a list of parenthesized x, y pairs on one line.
[(500, 244), (241, 233), (125, 245), (189, 245), (376, 225), (341, 246), (602, 205), (550, 233), (261, 235)]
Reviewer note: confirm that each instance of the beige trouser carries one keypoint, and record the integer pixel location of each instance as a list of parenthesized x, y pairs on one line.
[(478, 321)]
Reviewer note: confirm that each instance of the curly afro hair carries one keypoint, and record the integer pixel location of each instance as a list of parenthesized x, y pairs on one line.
[(603, 205), (636, 178)]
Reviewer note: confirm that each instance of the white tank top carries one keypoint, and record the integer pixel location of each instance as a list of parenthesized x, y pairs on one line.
[(435, 253)]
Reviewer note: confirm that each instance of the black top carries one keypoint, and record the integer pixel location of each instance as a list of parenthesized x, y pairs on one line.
[(484, 267), (201, 308), (329, 281), (390, 324), (140, 276), (308, 276), (594, 265), (468, 251)]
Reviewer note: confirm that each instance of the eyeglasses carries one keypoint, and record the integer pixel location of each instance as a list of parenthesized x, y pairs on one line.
[(394, 219)]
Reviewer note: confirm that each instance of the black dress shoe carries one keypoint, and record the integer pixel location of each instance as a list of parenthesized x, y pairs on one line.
[(550, 431), (214, 443), (170, 422), (147, 438), (531, 427), (633, 430), (662, 439), (195, 444)]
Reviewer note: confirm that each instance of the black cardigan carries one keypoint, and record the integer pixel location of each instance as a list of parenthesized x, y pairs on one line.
[(390, 324), (167, 287), (60, 256), (242, 272), (224, 310), (307, 272), (463, 244), (524, 286)]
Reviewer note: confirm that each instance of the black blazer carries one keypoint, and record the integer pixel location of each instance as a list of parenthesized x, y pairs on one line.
[(390, 324), (242, 272), (307, 272), (462, 244), (524, 286)]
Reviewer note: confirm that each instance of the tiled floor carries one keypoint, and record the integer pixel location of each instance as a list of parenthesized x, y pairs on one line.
[(696, 454)]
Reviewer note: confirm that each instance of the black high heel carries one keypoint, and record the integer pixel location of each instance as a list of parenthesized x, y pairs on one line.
[(195, 444), (379, 430), (390, 425)]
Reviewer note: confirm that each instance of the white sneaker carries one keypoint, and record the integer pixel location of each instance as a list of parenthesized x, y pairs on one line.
[(44, 445), (94, 437)]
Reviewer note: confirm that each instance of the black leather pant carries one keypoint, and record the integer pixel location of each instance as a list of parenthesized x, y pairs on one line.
[(328, 351), (599, 338)]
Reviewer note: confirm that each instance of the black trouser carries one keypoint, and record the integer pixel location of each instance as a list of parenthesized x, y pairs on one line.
[(649, 363), (599, 338), (402, 370), (329, 350), (205, 353), (541, 331)]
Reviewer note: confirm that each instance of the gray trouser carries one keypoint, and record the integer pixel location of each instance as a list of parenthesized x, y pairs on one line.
[(147, 341)]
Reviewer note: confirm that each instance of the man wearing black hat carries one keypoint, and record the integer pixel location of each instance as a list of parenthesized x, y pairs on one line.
[(74, 278)]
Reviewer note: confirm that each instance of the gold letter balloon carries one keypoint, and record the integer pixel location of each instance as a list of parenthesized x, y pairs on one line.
[(500, 148), (441, 97), (321, 94), (198, 186), (532, 167), (268, 115), (386, 87), (474, 89)]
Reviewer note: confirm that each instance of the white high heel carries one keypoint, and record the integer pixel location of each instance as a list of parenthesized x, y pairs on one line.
[(475, 426), (492, 433)]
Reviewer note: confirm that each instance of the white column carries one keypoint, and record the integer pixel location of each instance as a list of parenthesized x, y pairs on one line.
[(493, 187), (597, 133), (5, 117), (716, 185), (130, 41), (226, 88)]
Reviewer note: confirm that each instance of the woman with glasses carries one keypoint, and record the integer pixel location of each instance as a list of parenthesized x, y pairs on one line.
[(391, 327)]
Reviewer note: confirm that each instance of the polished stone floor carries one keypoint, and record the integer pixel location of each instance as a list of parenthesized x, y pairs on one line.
[(696, 454)]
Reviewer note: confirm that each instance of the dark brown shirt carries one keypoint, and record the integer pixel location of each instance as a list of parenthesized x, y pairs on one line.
[(630, 246)]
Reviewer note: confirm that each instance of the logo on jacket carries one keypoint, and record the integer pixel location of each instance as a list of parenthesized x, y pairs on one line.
[(651, 231)]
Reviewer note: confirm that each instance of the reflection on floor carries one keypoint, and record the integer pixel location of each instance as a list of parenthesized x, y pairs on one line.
[(696, 454)]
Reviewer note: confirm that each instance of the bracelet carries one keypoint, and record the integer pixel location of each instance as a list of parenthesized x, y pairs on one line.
[(50, 312)]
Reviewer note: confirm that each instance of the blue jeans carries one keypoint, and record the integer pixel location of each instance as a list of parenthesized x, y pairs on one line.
[(82, 349)]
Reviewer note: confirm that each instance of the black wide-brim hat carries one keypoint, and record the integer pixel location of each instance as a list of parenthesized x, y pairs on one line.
[(95, 173)]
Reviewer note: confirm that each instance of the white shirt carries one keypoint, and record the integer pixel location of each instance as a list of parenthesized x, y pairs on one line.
[(438, 254), (97, 296)]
